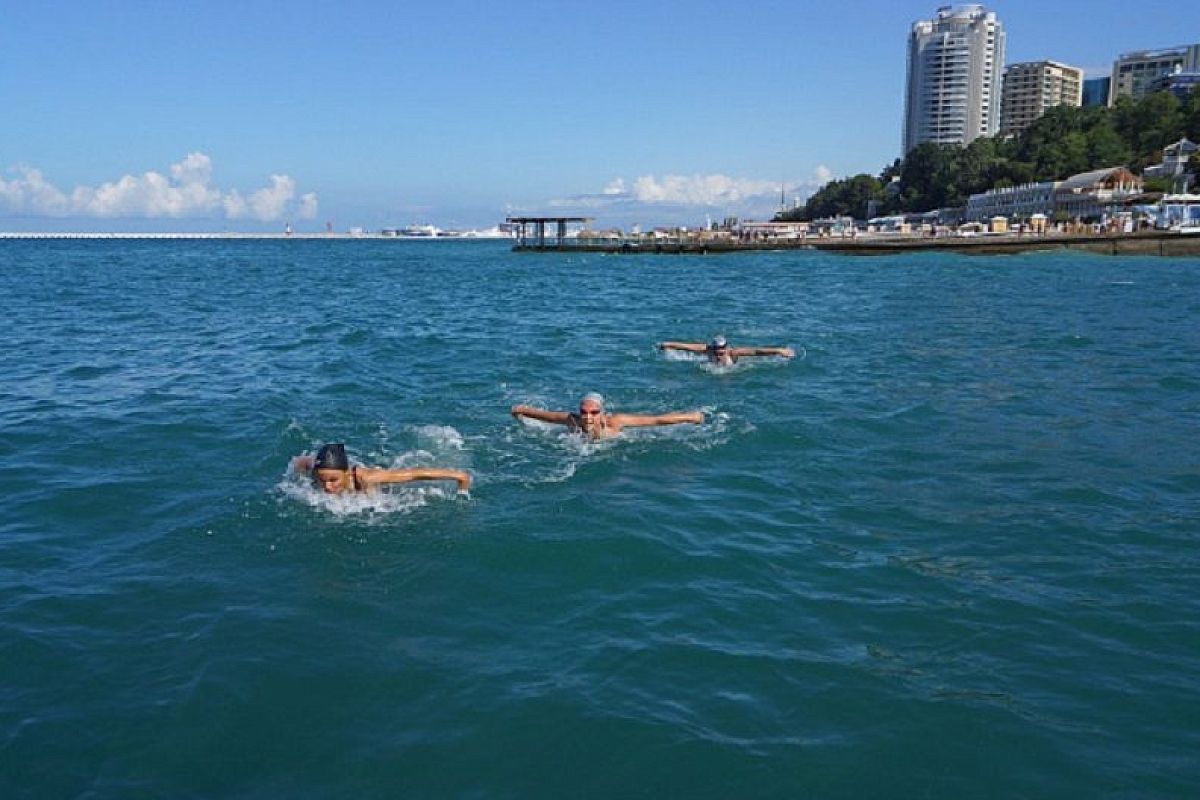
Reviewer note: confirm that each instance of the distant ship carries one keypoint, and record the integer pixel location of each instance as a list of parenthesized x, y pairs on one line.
[(502, 231), (412, 232)]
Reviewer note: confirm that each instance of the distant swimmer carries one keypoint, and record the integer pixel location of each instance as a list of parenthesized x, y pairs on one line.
[(592, 421), (719, 351), (331, 471)]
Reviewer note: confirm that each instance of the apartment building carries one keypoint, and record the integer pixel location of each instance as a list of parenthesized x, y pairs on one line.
[(953, 87), (1032, 87), (1133, 73)]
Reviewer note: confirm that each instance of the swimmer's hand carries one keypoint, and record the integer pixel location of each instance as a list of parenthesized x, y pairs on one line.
[(787, 352), (518, 411), (464, 483), (302, 464)]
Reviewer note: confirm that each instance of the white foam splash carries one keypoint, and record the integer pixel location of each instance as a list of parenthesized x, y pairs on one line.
[(390, 500), (742, 364), (439, 437), (726, 369), (683, 355)]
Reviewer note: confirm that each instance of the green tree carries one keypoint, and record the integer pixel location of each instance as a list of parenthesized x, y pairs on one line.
[(1105, 147), (1064, 141), (927, 177), (1159, 184), (1191, 116), (1046, 132), (1075, 154), (1124, 121), (844, 197), (1158, 121), (977, 164)]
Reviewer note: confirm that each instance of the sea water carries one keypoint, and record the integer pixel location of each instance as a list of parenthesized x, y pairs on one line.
[(952, 549)]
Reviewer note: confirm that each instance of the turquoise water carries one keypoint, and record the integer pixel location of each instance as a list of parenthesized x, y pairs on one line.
[(950, 550)]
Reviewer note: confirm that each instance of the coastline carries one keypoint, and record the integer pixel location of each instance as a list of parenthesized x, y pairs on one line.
[(1145, 243), (227, 235)]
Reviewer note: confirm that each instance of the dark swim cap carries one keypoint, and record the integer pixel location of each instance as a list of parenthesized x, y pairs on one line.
[(718, 343), (331, 456)]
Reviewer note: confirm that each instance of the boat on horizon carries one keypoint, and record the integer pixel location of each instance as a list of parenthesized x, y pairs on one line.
[(416, 231)]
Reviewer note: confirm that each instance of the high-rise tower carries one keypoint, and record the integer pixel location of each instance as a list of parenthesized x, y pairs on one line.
[(954, 65)]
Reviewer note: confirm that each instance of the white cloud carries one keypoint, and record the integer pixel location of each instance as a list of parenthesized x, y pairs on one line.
[(682, 199), (699, 190), (615, 186), (187, 191), (822, 175), (702, 191), (308, 206), (29, 188), (270, 202)]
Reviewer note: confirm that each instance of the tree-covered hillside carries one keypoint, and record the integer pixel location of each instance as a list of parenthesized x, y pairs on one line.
[(1065, 141)]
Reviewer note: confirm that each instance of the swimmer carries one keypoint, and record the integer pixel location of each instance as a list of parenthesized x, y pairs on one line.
[(332, 473), (720, 352), (592, 421)]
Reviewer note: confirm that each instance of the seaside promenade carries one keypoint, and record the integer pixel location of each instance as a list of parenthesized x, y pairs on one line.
[(1143, 243)]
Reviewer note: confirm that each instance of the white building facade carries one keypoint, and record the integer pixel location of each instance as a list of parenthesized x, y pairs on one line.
[(1086, 196), (1176, 158), (954, 66), (1013, 201), (1133, 73)]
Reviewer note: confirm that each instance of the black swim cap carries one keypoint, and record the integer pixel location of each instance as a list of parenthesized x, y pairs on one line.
[(331, 456)]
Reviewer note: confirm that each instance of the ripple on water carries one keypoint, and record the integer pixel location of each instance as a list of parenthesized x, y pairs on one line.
[(938, 528)]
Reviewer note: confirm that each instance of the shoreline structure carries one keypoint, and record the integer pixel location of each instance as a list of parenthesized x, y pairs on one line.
[(229, 235), (1141, 243)]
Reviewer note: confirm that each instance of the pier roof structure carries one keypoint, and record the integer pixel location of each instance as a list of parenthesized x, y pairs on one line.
[(539, 229)]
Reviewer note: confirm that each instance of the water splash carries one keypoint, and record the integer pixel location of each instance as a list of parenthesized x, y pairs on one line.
[(397, 499)]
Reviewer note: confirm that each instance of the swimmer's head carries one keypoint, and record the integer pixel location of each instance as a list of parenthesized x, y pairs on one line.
[(331, 468), (331, 456), (591, 413), (592, 402), (719, 351)]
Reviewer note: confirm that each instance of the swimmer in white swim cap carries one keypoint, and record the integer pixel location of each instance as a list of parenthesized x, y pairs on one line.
[(719, 351), (594, 422)]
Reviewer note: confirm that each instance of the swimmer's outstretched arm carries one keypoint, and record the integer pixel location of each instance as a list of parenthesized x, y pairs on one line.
[(554, 417), (377, 477), (646, 420), (302, 465), (691, 347), (785, 352)]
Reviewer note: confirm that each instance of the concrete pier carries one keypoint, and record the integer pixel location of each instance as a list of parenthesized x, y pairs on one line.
[(1144, 243)]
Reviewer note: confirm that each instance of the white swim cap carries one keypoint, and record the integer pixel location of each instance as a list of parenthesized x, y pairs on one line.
[(593, 397)]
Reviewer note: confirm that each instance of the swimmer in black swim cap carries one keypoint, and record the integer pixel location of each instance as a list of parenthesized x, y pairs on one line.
[(331, 471), (592, 420), (332, 456), (719, 351)]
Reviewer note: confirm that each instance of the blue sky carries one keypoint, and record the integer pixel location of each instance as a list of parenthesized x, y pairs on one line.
[(246, 115)]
